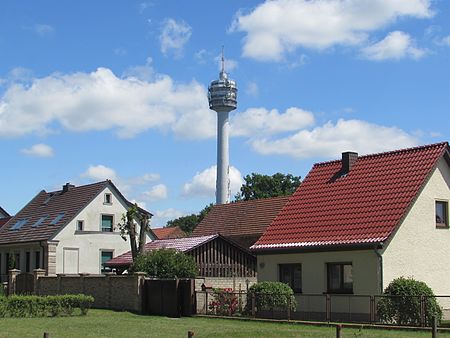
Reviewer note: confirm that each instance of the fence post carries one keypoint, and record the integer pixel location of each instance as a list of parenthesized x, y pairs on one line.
[(253, 305), (372, 309), (328, 307), (338, 330), (38, 273), (288, 307), (434, 332), (206, 302), (12, 281)]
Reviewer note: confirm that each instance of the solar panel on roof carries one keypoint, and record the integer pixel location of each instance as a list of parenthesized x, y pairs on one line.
[(57, 218), (20, 223), (39, 221)]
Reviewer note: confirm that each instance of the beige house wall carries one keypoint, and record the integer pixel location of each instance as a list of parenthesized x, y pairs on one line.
[(91, 241), (314, 269), (419, 249)]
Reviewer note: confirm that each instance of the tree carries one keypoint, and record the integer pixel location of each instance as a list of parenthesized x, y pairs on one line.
[(403, 300), (166, 263), (133, 217), (264, 186), (188, 223)]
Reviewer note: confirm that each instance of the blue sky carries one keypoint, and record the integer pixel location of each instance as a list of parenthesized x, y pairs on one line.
[(117, 89)]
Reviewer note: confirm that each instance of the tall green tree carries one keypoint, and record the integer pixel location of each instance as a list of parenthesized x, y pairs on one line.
[(258, 186)]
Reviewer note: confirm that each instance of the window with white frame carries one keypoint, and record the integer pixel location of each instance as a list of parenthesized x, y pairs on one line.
[(108, 198), (441, 211), (340, 278), (105, 255), (107, 223)]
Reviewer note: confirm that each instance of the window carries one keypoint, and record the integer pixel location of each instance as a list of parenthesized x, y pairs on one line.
[(17, 261), (57, 218), (105, 256), (20, 223), (37, 258), (39, 221), (441, 214), (108, 198), (340, 278), (107, 223), (291, 274), (27, 261), (80, 225)]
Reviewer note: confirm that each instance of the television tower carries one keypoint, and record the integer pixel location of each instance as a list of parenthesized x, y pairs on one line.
[(222, 97)]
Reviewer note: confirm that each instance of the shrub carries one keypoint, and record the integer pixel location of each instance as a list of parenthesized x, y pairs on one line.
[(225, 302), (166, 263), (42, 306), (402, 305), (270, 295)]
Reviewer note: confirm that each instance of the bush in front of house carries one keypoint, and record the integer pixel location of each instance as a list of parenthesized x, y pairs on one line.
[(166, 263), (44, 306), (224, 303), (402, 304), (270, 296)]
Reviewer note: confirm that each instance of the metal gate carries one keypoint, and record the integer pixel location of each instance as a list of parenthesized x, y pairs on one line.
[(169, 297)]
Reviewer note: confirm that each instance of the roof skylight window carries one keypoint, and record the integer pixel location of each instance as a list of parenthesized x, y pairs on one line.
[(20, 223), (57, 218), (39, 221)]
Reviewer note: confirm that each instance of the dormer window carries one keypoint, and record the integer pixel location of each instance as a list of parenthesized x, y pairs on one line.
[(108, 198), (441, 214)]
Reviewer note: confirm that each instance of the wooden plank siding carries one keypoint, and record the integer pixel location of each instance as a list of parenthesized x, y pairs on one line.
[(219, 258)]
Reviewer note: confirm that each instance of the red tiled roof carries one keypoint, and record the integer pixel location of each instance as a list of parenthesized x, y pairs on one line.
[(244, 218), (51, 204), (4, 220), (180, 244), (363, 207), (169, 233)]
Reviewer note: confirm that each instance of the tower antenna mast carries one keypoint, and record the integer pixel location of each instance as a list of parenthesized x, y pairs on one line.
[(222, 97)]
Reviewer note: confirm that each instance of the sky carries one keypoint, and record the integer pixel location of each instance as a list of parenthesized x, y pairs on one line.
[(91, 90)]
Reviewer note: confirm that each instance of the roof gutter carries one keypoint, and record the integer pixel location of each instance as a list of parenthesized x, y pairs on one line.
[(316, 248), (380, 265)]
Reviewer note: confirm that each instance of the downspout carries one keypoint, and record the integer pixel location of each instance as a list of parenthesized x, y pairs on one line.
[(43, 257), (380, 265)]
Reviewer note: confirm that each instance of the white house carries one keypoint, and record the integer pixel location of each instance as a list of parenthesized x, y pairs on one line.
[(72, 230), (356, 224)]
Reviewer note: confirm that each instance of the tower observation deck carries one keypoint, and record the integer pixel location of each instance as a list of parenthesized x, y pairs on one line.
[(222, 97)]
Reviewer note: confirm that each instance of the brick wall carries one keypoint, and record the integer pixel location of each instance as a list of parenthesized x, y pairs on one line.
[(109, 291)]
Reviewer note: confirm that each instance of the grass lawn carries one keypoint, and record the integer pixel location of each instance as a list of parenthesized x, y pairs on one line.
[(104, 323)]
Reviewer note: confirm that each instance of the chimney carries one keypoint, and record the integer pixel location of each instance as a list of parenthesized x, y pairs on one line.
[(67, 187), (349, 158)]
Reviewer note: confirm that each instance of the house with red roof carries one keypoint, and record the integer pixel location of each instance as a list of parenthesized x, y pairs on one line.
[(357, 223), (242, 222), (169, 233), (72, 230)]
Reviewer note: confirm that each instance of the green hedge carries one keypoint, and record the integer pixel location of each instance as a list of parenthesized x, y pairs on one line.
[(270, 295), (44, 306)]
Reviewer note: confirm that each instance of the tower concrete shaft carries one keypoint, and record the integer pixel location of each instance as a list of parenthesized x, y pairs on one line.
[(223, 161)]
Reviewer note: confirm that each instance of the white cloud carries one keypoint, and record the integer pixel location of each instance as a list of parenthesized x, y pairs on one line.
[(39, 150), (276, 27), (100, 173), (204, 182), (252, 89), (331, 139), (396, 45), (446, 41), (174, 35), (43, 29), (160, 217), (255, 122), (157, 192), (101, 101)]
